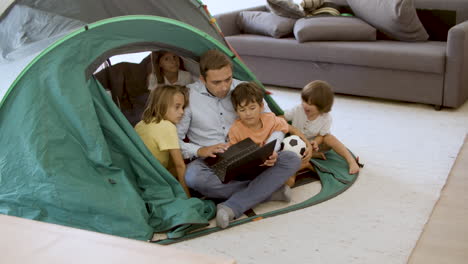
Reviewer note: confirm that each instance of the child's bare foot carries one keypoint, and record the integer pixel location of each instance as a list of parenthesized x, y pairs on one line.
[(353, 167), (319, 155)]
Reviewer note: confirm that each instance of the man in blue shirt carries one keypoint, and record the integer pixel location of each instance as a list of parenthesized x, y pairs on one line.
[(206, 123)]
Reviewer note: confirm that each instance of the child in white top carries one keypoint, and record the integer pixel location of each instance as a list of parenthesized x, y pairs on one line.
[(167, 68), (158, 129), (313, 119)]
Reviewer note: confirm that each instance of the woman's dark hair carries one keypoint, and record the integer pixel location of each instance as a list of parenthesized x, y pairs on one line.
[(155, 58)]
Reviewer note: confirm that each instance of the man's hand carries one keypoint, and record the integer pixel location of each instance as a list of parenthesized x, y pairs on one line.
[(271, 160), (211, 151)]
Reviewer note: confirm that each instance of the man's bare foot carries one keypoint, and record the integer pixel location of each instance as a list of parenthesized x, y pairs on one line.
[(319, 155)]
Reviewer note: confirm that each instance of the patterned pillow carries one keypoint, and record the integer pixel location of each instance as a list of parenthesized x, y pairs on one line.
[(285, 8), (395, 18), (311, 4), (265, 23)]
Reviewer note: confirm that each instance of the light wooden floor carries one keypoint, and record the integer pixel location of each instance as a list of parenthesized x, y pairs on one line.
[(445, 237)]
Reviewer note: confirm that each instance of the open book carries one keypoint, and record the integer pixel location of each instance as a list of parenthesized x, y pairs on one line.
[(241, 161)]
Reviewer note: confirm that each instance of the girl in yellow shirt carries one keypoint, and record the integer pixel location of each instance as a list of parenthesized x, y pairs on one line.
[(158, 131)]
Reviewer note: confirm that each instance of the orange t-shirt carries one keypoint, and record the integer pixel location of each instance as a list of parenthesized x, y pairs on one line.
[(271, 123)]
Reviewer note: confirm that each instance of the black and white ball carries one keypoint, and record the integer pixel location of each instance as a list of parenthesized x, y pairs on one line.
[(295, 144)]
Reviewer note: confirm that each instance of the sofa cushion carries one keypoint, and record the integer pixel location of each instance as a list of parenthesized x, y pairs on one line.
[(412, 56), (395, 18), (265, 23), (286, 8), (333, 28)]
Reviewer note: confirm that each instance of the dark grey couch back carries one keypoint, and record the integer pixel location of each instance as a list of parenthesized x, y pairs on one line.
[(460, 6)]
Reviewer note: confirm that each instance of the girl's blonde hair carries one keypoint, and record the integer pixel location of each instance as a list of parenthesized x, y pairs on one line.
[(320, 94), (159, 100)]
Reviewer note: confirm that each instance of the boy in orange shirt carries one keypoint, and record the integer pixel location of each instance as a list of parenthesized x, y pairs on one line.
[(247, 100)]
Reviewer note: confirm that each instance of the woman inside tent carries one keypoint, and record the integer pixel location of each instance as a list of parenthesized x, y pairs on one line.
[(167, 68)]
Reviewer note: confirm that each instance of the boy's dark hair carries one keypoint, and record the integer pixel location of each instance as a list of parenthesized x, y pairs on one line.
[(245, 93), (213, 60), (320, 94)]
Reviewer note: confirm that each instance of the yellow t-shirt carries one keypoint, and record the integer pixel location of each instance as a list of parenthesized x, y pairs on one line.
[(159, 138)]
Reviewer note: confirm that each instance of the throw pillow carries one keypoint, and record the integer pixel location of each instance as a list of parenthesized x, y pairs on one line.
[(324, 28), (265, 23), (285, 8), (326, 9), (395, 18)]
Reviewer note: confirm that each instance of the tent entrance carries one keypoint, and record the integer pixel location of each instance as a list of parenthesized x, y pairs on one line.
[(128, 82), (185, 54)]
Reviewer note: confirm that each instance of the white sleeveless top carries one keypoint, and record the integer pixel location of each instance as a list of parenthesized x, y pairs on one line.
[(183, 78), (310, 128)]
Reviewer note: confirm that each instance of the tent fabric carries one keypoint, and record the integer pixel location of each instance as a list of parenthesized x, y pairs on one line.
[(84, 167), (27, 27), (53, 17), (36, 25), (68, 155)]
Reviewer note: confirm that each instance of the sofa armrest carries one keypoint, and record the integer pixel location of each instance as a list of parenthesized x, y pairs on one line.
[(227, 22), (456, 71)]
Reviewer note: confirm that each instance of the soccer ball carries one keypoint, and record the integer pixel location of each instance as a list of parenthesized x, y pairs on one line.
[(295, 144)]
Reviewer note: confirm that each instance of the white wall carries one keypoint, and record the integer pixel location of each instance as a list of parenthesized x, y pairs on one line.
[(222, 6)]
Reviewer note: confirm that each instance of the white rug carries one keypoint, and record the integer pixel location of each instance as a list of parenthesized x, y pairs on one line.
[(408, 151)]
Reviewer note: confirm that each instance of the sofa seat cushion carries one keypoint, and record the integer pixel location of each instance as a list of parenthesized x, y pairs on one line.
[(412, 56)]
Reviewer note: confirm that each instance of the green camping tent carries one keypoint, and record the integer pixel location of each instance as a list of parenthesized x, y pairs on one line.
[(70, 157), (68, 154)]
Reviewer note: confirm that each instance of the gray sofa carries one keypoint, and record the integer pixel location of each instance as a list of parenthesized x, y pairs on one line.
[(429, 72)]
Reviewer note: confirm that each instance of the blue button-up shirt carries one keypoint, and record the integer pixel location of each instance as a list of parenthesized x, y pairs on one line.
[(206, 120)]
